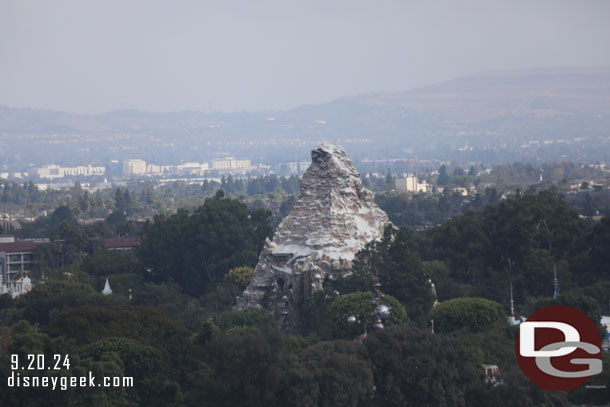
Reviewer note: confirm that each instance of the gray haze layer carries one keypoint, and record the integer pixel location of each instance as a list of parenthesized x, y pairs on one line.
[(96, 56)]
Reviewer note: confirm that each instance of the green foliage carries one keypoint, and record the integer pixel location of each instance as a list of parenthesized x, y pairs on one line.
[(178, 355), (197, 249), (315, 311), (249, 317), (147, 325), (577, 300), (418, 209), (329, 374), (360, 305), (395, 259), (473, 314), (122, 201), (220, 297), (171, 300), (103, 262), (443, 177), (240, 275), (413, 367), (127, 357), (206, 331), (24, 339), (53, 296), (27, 339), (517, 240), (597, 262), (47, 257), (248, 366)]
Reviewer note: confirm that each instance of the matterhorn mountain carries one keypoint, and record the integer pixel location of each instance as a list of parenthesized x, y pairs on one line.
[(333, 218)]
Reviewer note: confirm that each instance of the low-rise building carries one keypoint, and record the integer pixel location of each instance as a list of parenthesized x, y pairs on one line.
[(230, 163), (15, 258), (192, 168), (55, 171), (410, 184), (122, 243)]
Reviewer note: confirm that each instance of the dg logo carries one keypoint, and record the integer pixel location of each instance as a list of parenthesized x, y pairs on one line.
[(559, 348)]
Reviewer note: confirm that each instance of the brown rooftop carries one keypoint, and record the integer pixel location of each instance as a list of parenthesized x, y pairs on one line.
[(16, 247), (123, 242)]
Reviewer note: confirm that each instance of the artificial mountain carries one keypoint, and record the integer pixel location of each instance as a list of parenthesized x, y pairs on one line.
[(333, 218)]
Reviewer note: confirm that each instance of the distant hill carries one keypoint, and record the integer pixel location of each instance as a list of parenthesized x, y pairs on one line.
[(493, 107), (536, 93)]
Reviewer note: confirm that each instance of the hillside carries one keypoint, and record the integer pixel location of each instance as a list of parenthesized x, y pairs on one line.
[(483, 110)]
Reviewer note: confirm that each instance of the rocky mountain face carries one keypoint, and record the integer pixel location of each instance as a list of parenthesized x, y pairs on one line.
[(333, 218)]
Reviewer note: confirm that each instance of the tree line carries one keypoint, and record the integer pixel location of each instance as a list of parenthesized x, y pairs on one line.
[(169, 322)]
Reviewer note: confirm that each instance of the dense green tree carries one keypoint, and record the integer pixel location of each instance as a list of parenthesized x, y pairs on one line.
[(485, 250), (47, 257), (396, 261), (199, 248), (314, 312), (473, 314), (61, 215), (361, 305), (412, 367), (248, 366), (147, 325), (104, 262), (443, 177), (170, 298), (122, 201), (145, 364), (329, 374), (250, 317), (597, 259), (52, 296)]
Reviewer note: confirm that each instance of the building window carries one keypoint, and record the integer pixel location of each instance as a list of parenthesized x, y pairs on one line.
[(14, 267)]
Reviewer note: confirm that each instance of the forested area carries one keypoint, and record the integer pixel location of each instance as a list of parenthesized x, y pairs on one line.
[(169, 322), (141, 198)]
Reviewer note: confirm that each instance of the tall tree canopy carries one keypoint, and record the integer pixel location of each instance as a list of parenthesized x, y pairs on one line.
[(196, 249)]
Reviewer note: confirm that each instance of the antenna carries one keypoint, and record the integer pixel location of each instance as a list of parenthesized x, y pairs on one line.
[(511, 318), (555, 283), (512, 303)]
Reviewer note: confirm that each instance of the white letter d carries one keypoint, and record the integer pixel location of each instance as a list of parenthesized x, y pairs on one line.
[(527, 333)]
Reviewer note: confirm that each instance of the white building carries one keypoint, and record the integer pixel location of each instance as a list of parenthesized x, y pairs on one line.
[(49, 171), (134, 167), (192, 168), (410, 184), (154, 169), (55, 171), (87, 171), (230, 163), (291, 167)]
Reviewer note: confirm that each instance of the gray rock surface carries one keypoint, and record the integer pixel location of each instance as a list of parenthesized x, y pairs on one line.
[(333, 218)]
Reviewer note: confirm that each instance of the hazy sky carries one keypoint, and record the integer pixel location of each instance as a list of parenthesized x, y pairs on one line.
[(95, 56)]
